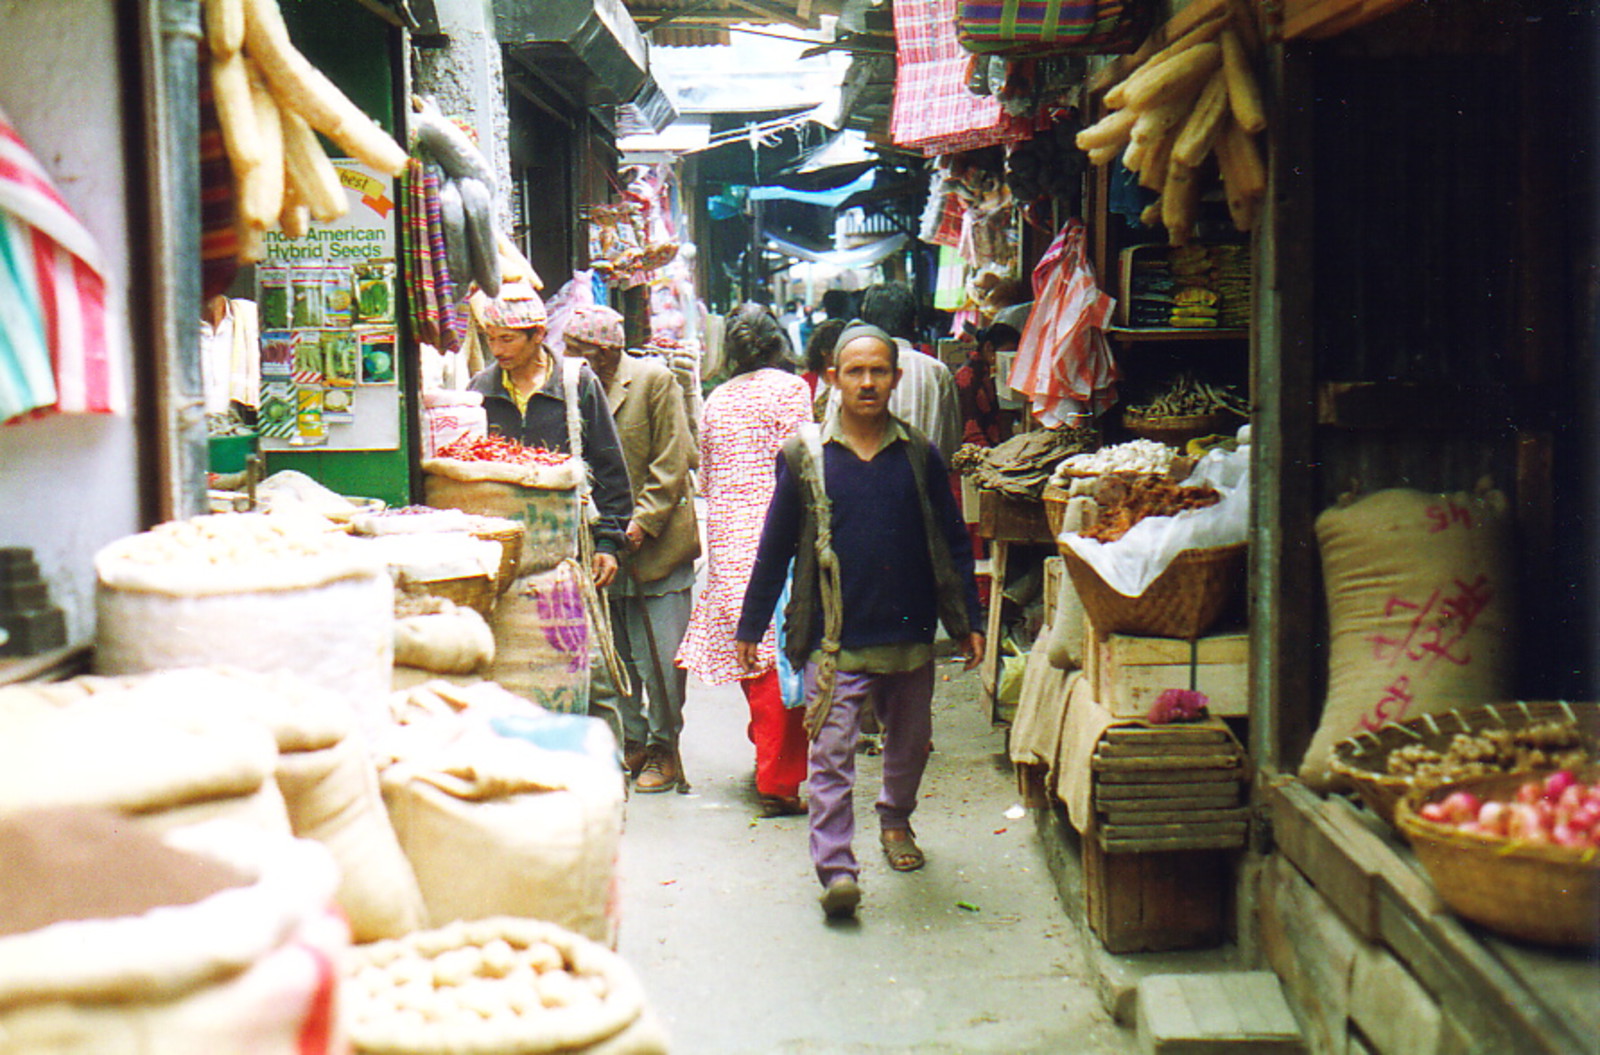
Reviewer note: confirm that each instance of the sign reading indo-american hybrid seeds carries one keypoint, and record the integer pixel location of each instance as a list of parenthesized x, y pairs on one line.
[(327, 308)]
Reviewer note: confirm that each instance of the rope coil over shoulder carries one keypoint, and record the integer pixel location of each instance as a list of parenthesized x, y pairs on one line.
[(811, 472), (599, 611)]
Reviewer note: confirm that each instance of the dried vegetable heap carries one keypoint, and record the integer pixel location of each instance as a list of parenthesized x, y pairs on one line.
[(500, 449), (1187, 395), (1124, 499), (1180, 104), (1492, 751)]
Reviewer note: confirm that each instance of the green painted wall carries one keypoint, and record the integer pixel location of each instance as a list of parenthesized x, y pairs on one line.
[(355, 49)]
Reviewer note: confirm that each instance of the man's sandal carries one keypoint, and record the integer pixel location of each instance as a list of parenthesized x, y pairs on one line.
[(900, 847)]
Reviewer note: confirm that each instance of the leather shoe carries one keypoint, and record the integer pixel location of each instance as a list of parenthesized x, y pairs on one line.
[(782, 806), (661, 771), (634, 757)]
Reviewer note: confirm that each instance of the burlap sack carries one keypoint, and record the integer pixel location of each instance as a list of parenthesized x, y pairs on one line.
[(542, 638), (546, 503), (495, 826), (455, 641), (1068, 629), (1420, 610), (247, 969), (333, 797)]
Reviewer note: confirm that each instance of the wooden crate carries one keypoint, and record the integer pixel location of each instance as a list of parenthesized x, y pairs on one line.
[(1003, 518), (1157, 902), (1128, 673)]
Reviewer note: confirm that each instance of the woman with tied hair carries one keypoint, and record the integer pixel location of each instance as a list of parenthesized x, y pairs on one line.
[(742, 428)]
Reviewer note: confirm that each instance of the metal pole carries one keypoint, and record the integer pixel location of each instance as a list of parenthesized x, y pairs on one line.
[(170, 32)]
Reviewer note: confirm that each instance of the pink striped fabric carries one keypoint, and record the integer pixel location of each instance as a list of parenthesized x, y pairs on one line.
[(62, 289), (1064, 363)]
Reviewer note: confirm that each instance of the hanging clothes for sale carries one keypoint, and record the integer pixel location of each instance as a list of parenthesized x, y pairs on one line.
[(57, 349), (1064, 364), (435, 316)]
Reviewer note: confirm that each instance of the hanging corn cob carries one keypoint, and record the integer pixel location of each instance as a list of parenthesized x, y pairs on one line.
[(1177, 106)]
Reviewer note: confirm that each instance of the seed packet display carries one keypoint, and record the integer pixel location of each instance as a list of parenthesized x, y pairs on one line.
[(310, 429), (277, 353), (274, 310), (338, 297), (305, 288), (375, 292), (377, 357), (279, 404), (308, 368), (338, 406), (339, 364)]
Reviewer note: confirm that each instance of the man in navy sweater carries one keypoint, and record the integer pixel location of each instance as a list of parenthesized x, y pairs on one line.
[(905, 563)]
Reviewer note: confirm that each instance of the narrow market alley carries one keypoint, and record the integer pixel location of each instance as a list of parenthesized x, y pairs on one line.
[(974, 953)]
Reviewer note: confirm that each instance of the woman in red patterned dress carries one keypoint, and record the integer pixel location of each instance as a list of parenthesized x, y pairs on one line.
[(743, 426)]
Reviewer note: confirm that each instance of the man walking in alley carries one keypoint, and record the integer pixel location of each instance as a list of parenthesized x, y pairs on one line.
[(650, 599), (863, 508)]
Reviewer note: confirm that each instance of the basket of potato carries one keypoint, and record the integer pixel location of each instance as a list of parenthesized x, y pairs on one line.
[(499, 986)]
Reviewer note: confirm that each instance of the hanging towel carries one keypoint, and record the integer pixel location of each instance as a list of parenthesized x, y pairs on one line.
[(54, 294), (1064, 363)]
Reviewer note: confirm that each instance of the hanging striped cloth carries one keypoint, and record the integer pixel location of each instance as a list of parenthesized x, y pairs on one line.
[(1064, 362), (419, 268), (57, 350)]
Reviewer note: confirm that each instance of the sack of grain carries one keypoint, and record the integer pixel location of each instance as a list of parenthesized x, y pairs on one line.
[(118, 943), (542, 638), (539, 827), (265, 592), (454, 640), (1420, 610), (543, 498), (327, 780)]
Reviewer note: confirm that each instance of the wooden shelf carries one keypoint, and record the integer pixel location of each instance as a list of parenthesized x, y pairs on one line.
[(1173, 333)]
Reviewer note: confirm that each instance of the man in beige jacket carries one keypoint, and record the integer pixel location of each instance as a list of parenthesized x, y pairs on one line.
[(650, 600)]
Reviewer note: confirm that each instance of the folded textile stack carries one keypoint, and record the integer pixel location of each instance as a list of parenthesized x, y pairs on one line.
[(1231, 274)]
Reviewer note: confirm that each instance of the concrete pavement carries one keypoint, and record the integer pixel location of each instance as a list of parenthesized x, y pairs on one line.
[(974, 953)]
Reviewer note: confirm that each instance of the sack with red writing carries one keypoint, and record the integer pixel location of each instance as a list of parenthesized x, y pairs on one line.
[(1420, 610)]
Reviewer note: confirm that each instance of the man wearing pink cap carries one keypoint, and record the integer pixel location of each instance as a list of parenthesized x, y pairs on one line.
[(525, 399), (650, 600)]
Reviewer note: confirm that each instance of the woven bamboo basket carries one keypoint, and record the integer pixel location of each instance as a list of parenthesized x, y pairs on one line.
[(1363, 759), (472, 591), (510, 539), (1184, 601), (1055, 506), (1177, 431), (1544, 894)]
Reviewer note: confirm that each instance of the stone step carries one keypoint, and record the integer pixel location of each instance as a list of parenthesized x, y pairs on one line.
[(1208, 1014)]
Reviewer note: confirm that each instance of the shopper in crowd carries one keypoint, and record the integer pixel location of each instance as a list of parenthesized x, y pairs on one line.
[(926, 395), (889, 522), (981, 420), (525, 398), (838, 304), (744, 423), (650, 598), (819, 356)]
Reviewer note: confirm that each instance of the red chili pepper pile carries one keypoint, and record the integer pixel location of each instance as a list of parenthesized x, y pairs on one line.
[(495, 448)]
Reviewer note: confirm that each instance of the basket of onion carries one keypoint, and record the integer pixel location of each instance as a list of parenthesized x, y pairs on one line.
[(1519, 855)]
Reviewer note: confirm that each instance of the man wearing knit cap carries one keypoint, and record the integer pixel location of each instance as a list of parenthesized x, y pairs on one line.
[(650, 600), (864, 509), (525, 398)]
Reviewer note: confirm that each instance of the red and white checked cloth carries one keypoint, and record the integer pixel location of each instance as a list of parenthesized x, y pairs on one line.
[(933, 110), (1064, 363), (52, 276)]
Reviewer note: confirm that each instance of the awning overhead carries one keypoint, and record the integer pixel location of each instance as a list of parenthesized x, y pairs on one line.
[(589, 48), (831, 198), (860, 256)]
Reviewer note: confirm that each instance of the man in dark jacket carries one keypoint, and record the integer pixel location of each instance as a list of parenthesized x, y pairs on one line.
[(904, 563), (525, 398)]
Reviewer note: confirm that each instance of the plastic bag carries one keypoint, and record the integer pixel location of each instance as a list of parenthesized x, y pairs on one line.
[(1064, 364)]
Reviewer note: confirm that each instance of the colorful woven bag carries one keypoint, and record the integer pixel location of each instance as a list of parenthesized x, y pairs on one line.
[(1045, 27)]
